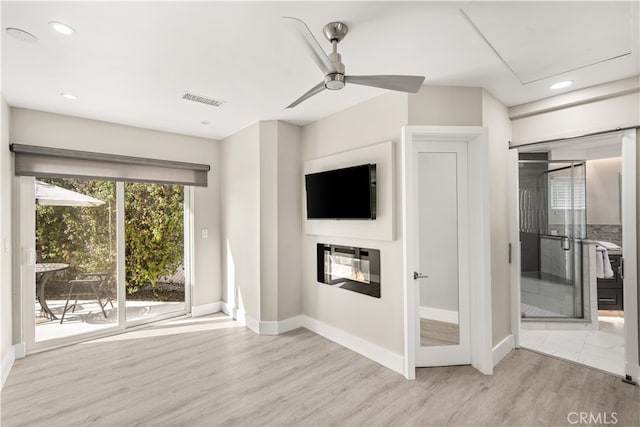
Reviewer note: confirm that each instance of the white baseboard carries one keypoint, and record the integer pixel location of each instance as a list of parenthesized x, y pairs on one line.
[(368, 349), (248, 321), (229, 311), (241, 316), (205, 309), (502, 349), (281, 326), (21, 350), (7, 364), (439, 314)]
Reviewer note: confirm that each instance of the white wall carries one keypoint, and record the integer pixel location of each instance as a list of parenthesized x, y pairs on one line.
[(58, 131), (289, 220), (446, 106), (262, 221), (596, 109), (240, 198), (269, 254), (495, 117), (603, 191), (6, 178), (377, 320)]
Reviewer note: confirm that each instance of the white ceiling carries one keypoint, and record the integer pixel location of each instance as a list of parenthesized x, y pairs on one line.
[(131, 63)]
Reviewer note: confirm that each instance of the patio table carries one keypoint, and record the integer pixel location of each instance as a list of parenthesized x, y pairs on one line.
[(44, 271)]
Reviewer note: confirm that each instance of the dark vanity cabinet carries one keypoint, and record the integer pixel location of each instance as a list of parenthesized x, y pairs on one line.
[(610, 289)]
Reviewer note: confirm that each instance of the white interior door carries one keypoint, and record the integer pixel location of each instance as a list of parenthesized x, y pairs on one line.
[(441, 254), (454, 161)]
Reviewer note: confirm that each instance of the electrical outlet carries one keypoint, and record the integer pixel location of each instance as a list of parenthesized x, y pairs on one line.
[(204, 233)]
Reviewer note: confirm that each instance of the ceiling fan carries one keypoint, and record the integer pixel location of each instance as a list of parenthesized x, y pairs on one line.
[(333, 68)]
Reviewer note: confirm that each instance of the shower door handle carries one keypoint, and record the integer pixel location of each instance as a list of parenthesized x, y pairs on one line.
[(565, 243), (417, 276)]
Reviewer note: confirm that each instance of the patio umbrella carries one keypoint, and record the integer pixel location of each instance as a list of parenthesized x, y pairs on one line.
[(52, 195)]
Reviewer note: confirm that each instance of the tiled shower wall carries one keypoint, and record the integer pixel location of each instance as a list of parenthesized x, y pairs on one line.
[(606, 232)]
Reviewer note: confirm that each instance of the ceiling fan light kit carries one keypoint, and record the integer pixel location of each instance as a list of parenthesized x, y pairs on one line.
[(334, 70)]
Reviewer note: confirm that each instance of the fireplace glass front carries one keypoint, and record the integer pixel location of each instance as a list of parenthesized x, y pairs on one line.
[(346, 267)]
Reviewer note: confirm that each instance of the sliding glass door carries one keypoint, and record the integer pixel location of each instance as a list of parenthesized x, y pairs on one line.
[(154, 250), (106, 255), (75, 257)]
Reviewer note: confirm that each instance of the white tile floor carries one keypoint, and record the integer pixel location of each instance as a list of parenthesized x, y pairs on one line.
[(602, 349), (544, 297)]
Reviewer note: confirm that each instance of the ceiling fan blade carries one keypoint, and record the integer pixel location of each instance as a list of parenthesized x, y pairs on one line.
[(315, 50), (400, 83), (313, 91)]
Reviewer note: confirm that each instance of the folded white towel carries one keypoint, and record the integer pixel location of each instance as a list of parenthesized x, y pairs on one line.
[(603, 264), (599, 263), (608, 245)]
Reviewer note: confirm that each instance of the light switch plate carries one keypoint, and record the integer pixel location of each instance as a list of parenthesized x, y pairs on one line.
[(204, 233)]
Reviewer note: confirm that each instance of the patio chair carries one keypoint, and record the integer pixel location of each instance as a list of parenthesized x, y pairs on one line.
[(89, 284)]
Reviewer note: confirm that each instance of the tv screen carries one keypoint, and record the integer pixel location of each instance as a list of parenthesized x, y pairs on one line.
[(348, 193)]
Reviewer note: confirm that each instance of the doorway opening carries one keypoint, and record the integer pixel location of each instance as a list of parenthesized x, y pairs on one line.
[(108, 255), (574, 205)]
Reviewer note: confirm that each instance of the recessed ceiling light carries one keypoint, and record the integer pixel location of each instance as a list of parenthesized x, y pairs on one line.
[(68, 95), (61, 27), (20, 34), (561, 85)]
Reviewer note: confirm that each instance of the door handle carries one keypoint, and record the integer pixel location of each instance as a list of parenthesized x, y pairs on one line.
[(417, 276), (565, 243)]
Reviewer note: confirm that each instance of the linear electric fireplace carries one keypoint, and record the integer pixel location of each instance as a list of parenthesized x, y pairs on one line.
[(346, 267)]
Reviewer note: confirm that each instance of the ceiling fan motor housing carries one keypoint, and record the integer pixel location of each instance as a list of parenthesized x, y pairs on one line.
[(335, 81)]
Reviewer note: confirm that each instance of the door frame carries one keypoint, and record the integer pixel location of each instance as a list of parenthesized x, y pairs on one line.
[(477, 141), (24, 226), (629, 247), (630, 254)]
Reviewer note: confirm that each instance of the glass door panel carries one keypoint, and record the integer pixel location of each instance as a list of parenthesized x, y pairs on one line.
[(552, 225), (154, 250), (75, 257)]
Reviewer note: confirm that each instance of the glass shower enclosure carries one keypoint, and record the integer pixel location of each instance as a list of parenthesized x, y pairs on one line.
[(552, 209)]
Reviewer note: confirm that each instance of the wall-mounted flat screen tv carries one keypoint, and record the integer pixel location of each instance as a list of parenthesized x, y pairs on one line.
[(348, 193)]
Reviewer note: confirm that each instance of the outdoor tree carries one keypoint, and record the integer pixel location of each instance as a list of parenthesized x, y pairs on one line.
[(85, 237), (154, 232)]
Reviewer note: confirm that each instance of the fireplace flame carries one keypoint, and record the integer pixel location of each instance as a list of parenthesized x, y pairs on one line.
[(356, 274)]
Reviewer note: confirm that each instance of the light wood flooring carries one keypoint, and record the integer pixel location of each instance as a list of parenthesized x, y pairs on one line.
[(210, 371), (434, 332)]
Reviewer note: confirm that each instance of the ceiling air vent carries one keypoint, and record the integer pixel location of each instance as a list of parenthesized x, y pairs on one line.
[(203, 99)]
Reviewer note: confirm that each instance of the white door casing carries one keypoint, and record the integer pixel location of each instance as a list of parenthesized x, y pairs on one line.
[(629, 254), (477, 250)]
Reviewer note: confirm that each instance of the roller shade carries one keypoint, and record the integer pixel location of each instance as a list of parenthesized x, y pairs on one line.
[(568, 193), (60, 163)]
